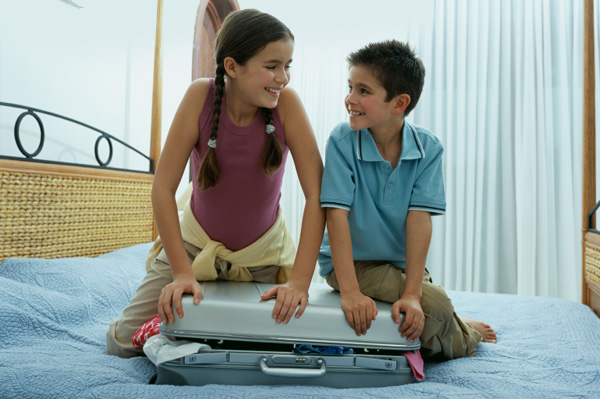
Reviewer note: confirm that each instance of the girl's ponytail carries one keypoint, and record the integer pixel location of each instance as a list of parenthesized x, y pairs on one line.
[(273, 154), (208, 173)]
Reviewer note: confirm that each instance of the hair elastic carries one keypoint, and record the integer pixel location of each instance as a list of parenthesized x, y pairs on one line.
[(212, 143), (270, 128)]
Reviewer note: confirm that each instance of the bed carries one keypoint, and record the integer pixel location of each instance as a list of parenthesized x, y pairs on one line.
[(55, 314), (59, 297)]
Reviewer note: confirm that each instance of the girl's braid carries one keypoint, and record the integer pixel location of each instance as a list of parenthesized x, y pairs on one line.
[(273, 154), (208, 174)]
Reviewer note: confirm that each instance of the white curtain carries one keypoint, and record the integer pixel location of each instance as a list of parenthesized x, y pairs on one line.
[(504, 95), (503, 92)]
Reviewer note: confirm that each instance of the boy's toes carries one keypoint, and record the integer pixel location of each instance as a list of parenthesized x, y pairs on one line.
[(486, 332), (489, 335)]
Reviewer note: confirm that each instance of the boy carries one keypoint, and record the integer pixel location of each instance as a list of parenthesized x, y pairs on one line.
[(382, 181)]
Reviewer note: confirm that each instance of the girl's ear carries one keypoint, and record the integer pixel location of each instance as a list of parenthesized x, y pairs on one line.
[(401, 101), (230, 66)]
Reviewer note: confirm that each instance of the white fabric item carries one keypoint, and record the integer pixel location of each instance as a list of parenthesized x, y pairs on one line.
[(505, 85), (160, 348)]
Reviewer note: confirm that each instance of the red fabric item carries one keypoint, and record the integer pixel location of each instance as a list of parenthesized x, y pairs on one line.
[(147, 330), (416, 364)]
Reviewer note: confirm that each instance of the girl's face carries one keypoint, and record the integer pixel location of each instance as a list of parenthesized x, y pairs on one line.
[(366, 100), (264, 75)]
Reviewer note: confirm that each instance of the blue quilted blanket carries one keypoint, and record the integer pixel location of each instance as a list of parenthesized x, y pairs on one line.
[(55, 314)]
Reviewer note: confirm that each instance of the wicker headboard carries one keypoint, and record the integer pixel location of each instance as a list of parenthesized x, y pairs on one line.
[(592, 270), (52, 211)]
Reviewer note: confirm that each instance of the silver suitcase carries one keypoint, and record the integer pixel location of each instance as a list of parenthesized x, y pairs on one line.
[(249, 348)]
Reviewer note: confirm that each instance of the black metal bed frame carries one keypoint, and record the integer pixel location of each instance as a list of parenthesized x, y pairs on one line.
[(33, 112)]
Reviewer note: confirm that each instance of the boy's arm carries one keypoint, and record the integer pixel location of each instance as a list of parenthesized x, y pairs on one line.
[(418, 237), (360, 310)]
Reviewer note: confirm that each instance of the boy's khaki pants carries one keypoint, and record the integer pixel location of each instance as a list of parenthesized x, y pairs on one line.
[(143, 305), (445, 335)]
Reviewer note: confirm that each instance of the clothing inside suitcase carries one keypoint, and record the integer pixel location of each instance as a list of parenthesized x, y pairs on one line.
[(249, 348)]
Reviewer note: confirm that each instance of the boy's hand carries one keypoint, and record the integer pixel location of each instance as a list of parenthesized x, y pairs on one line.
[(360, 311), (289, 296), (414, 319), (171, 295)]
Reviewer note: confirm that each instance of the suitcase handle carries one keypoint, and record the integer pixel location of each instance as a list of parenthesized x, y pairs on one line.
[(293, 372)]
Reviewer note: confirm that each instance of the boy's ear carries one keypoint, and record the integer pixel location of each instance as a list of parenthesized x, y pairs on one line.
[(401, 101), (230, 66)]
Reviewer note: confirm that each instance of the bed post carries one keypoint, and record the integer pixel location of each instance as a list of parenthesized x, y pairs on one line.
[(588, 294), (209, 18), (155, 134)]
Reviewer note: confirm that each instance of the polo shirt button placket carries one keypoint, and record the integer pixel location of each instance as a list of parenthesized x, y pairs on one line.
[(388, 196)]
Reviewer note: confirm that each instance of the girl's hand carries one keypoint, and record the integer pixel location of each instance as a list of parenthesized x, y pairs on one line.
[(360, 311), (289, 297), (414, 319), (171, 294)]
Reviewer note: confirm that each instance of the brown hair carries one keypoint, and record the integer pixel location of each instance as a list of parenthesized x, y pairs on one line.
[(243, 34), (396, 66)]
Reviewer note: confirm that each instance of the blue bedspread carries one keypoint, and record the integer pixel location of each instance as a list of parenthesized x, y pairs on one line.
[(55, 314)]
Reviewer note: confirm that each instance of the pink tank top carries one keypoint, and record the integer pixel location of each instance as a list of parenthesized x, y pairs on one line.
[(245, 202)]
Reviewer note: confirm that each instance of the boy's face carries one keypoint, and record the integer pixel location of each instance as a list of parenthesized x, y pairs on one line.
[(365, 101)]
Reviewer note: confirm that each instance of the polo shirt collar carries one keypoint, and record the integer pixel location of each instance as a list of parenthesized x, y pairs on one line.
[(366, 149)]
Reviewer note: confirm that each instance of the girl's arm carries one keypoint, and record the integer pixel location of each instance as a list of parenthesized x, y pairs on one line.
[(301, 141), (182, 137)]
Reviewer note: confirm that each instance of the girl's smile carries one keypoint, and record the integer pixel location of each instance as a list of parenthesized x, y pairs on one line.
[(273, 92)]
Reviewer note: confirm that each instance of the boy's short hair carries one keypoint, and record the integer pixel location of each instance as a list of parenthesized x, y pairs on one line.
[(396, 66)]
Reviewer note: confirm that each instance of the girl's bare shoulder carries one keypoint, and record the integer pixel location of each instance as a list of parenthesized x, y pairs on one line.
[(198, 90), (289, 104)]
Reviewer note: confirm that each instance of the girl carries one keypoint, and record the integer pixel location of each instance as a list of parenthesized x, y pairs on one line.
[(238, 130)]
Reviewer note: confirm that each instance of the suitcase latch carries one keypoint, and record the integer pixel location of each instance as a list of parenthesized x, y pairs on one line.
[(282, 359), (379, 364), (205, 358)]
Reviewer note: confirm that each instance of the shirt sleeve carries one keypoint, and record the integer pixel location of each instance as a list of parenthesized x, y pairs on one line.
[(337, 186), (428, 191)]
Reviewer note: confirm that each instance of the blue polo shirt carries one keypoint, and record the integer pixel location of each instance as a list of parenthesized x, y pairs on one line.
[(377, 197)]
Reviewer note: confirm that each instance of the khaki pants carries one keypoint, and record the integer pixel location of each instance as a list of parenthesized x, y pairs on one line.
[(445, 335), (143, 305)]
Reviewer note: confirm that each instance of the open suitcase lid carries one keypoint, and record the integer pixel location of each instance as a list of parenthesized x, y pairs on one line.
[(234, 311)]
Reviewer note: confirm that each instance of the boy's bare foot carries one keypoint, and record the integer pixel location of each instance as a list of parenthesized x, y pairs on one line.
[(487, 334)]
